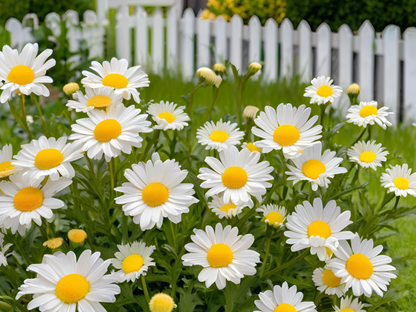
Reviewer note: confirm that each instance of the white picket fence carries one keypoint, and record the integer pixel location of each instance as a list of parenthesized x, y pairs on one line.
[(384, 64)]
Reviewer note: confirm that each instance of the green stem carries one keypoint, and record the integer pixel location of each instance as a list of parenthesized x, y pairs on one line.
[(146, 293), (173, 235), (247, 216), (359, 137), (41, 115), (24, 118), (287, 264), (191, 99), (149, 144), (396, 203), (266, 255), (216, 91)]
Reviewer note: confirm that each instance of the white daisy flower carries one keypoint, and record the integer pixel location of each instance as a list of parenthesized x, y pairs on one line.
[(132, 261), (252, 147), (6, 167), (227, 209), (94, 98), (3, 250), (322, 90), (367, 113), (220, 136), (26, 199), (326, 281), (64, 284), (314, 167), (125, 81), (24, 71), (238, 174), (110, 132), (361, 267), (47, 157), (273, 215), (349, 305), (223, 254), (155, 191), (317, 227), (287, 128), (283, 299), (400, 180), (367, 154), (167, 116)]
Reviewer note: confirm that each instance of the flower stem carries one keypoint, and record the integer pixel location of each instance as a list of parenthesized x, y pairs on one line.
[(287, 264), (24, 118), (216, 91), (146, 293), (191, 99), (266, 255), (360, 136), (41, 115)]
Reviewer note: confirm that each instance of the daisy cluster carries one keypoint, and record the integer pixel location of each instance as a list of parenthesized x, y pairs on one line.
[(215, 204)]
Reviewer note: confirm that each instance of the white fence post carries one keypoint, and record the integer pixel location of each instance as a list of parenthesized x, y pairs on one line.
[(187, 50), (409, 74), (141, 49), (236, 46), (270, 50), (286, 61), (220, 31), (172, 39), (366, 37), (323, 50), (158, 41), (345, 58), (203, 39), (123, 35), (254, 40), (305, 52)]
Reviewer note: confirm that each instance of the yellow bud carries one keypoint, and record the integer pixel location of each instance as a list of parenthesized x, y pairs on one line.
[(77, 236), (219, 69), (354, 89), (253, 68), (71, 88), (54, 242), (161, 303), (250, 112), (208, 77)]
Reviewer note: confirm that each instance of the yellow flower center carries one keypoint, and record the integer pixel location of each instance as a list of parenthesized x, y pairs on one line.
[(329, 252), (72, 288), (107, 130), (155, 194), (319, 228), (401, 183), (132, 263), (286, 135), (234, 177), (99, 101), (115, 81), (313, 168), (77, 236), (252, 148), (274, 217), (54, 242), (330, 279), (48, 158), (367, 157), (227, 207), (368, 110), (161, 303), (347, 310), (169, 117), (219, 255), (359, 266), (219, 136), (28, 199), (324, 91), (21, 75), (6, 169), (285, 307)]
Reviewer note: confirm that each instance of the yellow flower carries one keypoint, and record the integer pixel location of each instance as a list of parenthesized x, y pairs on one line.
[(71, 88), (208, 77), (219, 68), (54, 243), (205, 14), (250, 112), (77, 236), (161, 303)]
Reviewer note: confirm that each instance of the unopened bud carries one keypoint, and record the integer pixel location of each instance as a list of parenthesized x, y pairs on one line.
[(208, 78), (353, 92), (250, 112), (71, 88), (219, 69), (253, 68)]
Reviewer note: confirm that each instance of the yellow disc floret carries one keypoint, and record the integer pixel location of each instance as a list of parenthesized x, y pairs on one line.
[(319, 228), (330, 279), (161, 303), (21, 75), (28, 199), (48, 158), (219, 136), (313, 168), (54, 243), (6, 169), (252, 148), (234, 177), (325, 91), (77, 236), (347, 310), (219, 255), (285, 307), (401, 183), (274, 217), (368, 110), (225, 208), (169, 117), (286, 135), (359, 266), (367, 157), (72, 288), (132, 263), (107, 130), (99, 101), (155, 194), (115, 81)]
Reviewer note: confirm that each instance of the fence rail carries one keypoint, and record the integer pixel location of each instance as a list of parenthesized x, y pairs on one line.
[(384, 64)]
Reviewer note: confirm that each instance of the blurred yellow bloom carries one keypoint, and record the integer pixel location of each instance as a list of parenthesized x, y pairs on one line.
[(161, 303), (54, 243), (71, 88), (219, 68), (77, 236)]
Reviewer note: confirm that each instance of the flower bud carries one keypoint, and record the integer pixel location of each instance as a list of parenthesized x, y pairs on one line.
[(253, 68), (54, 243), (77, 236), (208, 78), (161, 303), (353, 92), (250, 112), (219, 69), (71, 88)]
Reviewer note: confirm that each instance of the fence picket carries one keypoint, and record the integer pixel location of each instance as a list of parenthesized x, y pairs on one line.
[(254, 48), (366, 38), (236, 46), (409, 105), (158, 41), (220, 31), (203, 39), (345, 54), (172, 39), (187, 49), (123, 41), (323, 50), (305, 52), (286, 49), (270, 50), (141, 49)]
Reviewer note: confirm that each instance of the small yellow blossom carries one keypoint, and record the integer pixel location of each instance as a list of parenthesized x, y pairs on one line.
[(77, 236), (161, 303), (71, 88), (54, 243)]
